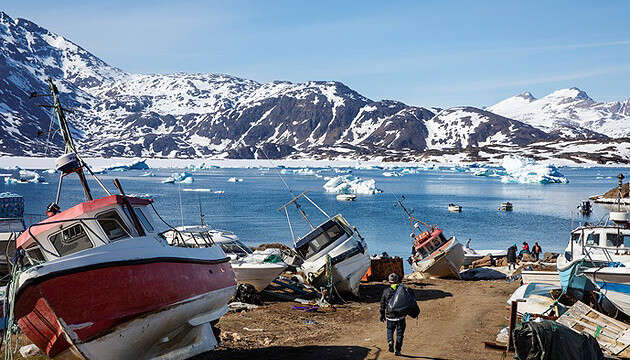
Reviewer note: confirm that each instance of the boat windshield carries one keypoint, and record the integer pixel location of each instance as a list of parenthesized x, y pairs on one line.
[(235, 247), (430, 246), (617, 240), (319, 238)]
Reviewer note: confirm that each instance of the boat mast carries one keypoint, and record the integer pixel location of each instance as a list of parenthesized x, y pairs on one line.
[(620, 177), (70, 162)]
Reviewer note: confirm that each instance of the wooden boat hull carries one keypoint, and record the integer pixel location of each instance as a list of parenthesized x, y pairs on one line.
[(127, 309), (444, 262)]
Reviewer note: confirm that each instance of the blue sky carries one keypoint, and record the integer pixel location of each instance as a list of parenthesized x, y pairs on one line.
[(428, 53)]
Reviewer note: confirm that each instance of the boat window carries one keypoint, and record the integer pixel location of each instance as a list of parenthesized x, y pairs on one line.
[(614, 240), (113, 225), (71, 240), (592, 239), (328, 233), (234, 247), (575, 237), (143, 219), (35, 255), (626, 240)]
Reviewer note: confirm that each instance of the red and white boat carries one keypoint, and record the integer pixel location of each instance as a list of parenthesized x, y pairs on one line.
[(432, 253), (101, 283)]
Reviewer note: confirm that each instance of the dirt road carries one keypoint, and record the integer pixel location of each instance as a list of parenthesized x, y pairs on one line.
[(456, 317)]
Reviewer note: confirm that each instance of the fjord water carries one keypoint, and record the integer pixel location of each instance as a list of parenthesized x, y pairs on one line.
[(250, 208)]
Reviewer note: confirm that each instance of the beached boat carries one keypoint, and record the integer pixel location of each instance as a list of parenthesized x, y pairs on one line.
[(471, 255), (257, 268), (99, 282), (454, 208), (613, 283), (506, 206), (540, 277), (346, 197), (331, 254), (432, 253)]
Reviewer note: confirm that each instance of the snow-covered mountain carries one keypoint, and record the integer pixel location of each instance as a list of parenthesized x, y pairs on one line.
[(570, 111), (116, 113)]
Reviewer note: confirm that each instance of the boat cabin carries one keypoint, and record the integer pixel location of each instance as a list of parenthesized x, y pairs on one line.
[(202, 236), (428, 242), (609, 237), (86, 225), (333, 231)]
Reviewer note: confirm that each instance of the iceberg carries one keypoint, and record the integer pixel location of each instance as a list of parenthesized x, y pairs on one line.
[(392, 174), (305, 171), (147, 174), (348, 184), (136, 165), (235, 180), (179, 178), (527, 171)]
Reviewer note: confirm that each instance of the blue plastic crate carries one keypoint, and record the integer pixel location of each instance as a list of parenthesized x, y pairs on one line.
[(11, 205)]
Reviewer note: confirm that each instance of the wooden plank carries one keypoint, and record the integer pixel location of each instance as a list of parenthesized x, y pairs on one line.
[(513, 316)]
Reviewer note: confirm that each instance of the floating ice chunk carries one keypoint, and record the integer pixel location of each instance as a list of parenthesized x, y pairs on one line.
[(527, 171), (179, 178), (135, 165), (305, 171), (392, 174), (347, 184), (368, 167), (148, 174), (50, 171), (10, 181), (27, 176), (235, 180), (342, 171)]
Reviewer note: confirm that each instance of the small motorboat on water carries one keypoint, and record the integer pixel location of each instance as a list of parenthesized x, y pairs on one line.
[(257, 268), (346, 197), (454, 208), (506, 206), (98, 281), (331, 254), (432, 253)]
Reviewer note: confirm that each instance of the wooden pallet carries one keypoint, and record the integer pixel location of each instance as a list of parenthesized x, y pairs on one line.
[(612, 335)]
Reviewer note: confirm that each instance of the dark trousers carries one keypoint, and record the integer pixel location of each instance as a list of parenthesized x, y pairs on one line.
[(398, 327)]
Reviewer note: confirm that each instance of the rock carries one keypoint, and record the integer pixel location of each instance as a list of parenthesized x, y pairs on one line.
[(550, 257), (484, 261), (527, 258), (502, 262)]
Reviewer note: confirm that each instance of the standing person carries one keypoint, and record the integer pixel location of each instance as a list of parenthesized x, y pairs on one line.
[(511, 257), (395, 322), (536, 250)]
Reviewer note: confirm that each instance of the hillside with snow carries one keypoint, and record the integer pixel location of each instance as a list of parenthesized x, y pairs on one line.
[(181, 115), (568, 110)]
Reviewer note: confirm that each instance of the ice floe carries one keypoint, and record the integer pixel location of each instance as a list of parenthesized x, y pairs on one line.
[(235, 180), (348, 184), (147, 174), (305, 171), (179, 178), (134, 165), (527, 171)]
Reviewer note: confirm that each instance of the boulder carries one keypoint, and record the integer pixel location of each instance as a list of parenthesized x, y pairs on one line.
[(550, 257), (527, 258)]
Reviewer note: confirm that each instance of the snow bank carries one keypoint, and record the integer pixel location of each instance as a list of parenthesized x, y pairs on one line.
[(528, 171), (179, 178), (348, 184)]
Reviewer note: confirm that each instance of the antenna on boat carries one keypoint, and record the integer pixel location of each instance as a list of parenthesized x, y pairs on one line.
[(412, 220), (70, 162), (620, 177), (201, 216)]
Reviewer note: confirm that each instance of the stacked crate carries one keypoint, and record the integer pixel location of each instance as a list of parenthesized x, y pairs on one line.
[(11, 206), (380, 268)]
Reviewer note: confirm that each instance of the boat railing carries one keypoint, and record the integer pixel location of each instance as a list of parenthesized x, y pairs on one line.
[(200, 238)]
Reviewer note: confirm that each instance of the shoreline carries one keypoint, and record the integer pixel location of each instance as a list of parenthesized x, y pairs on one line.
[(43, 163)]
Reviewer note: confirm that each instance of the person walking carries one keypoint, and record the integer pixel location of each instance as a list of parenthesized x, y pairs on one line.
[(395, 322), (536, 250), (511, 257)]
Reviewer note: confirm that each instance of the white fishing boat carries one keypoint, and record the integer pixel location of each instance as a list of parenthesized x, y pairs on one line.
[(613, 283), (432, 252), (454, 208), (346, 197), (472, 255), (333, 254), (257, 268)]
